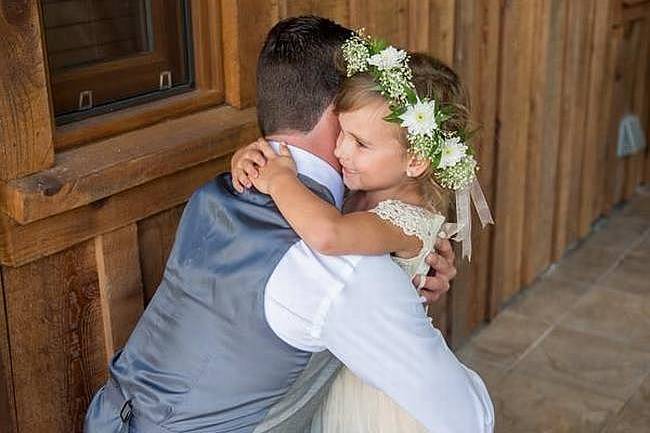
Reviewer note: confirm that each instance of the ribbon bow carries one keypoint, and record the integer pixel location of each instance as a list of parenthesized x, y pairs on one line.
[(462, 229)]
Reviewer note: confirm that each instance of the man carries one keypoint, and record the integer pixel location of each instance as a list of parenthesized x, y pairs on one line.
[(226, 343)]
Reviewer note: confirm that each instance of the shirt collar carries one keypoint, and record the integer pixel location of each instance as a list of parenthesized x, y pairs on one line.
[(317, 169)]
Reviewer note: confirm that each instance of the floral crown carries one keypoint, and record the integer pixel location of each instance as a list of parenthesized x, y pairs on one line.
[(451, 158)]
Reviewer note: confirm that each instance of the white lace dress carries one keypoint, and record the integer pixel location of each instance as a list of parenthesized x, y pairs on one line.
[(351, 405)]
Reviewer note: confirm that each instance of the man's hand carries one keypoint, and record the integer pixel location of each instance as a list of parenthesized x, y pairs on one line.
[(442, 271)]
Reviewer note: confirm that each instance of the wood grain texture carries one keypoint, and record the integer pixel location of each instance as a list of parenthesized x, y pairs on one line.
[(25, 119), (7, 403), (156, 236), (637, 100), (337, 10), (387, 19), (614, 179), (476, 61), (21, 244), (431, 28), (544, 136), (595, 127), (572, 126), (55, 326), (120, 285), (89, 173), (244, 27), (512, 143)]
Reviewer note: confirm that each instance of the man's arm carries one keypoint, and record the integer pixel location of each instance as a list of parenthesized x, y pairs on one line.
[(377, 327)]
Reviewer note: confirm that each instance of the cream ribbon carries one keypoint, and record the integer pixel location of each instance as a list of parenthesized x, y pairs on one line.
[(463, 230)]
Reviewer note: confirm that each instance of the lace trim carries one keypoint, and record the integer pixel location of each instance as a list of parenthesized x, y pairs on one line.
[(413, 220)]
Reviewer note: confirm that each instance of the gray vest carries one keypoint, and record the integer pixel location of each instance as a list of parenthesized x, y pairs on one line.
[(202, 357)]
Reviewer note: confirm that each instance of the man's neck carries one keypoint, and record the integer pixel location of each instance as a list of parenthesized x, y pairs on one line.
[(322, 149), (320, 141)]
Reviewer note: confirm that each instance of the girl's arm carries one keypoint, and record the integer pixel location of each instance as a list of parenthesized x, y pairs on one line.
[(320, 224)]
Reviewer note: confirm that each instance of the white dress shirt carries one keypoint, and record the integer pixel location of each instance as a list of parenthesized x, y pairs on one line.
[(365, 310)]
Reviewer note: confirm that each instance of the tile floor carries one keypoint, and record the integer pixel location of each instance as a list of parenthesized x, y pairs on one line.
[(571, 353)]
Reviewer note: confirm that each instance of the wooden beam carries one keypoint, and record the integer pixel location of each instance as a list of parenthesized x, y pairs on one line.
[(513, 116), (120, 285), (387, 19), (55, 326), (155, 239), (596, 128), (337, 10), (244, 27), (25, 117), (544, 136), (21, 244), (572, 127), (7, 401), (476, 40), (89, 173)]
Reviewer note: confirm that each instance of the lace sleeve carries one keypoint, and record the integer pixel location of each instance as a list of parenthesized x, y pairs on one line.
[(413, 220)]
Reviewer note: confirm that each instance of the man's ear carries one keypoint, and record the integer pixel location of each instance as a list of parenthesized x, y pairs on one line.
[(416, 166)]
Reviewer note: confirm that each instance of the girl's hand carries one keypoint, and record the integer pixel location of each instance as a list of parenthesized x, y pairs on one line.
[(278, 166), (245, 165)]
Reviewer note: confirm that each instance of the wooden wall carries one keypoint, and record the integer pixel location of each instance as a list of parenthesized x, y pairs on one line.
[(84, 237)]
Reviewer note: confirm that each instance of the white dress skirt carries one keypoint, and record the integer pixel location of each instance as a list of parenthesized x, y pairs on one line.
[(352, 406)]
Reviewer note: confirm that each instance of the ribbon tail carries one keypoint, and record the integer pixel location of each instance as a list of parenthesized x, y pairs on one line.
[(464, 221), (480, 203)]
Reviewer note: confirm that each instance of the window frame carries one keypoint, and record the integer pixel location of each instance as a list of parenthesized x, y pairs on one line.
[(137, 65), (208, 86)]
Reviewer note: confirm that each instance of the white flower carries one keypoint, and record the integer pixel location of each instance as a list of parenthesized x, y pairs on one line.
[(388, 58), (452, 152), (420, 118)]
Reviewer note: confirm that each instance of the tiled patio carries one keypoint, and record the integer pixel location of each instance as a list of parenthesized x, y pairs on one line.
[(571, 353)]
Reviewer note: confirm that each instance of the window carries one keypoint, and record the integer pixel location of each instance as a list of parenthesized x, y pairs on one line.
[(108, 54)]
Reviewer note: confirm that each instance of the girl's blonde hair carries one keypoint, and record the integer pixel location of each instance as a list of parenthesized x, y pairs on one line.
[(432, 79)]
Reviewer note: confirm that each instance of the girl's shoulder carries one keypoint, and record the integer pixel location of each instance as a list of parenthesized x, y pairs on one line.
[(413, 219)]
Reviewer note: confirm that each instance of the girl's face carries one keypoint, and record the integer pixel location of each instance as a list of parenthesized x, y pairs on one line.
[(371, 156)]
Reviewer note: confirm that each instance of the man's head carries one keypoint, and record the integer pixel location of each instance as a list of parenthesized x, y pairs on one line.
[(297, 77)]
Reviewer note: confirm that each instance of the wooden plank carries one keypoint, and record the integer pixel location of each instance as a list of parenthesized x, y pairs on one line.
[(637, 101), (387, 19), (55, 327), (584, 57), (120, 285), (607, 151), (572, 129), (544, 136), (615, 179), (476, 61), (7, 403), (513, 117), (25, 120), (614, 166), (595, 133), (156, 236), (244, 27), (337, 10), (21, 244), (92, 172), (442, 29), (431, 27)]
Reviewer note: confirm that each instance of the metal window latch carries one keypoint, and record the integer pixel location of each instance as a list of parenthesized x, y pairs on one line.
[(85, 100), (165, 80)]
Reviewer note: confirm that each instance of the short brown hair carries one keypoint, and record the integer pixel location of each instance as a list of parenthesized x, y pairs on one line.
[(297, 77), (432, 79)]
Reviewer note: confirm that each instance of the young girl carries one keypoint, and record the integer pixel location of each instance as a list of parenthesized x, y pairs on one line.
[(395, 203)]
